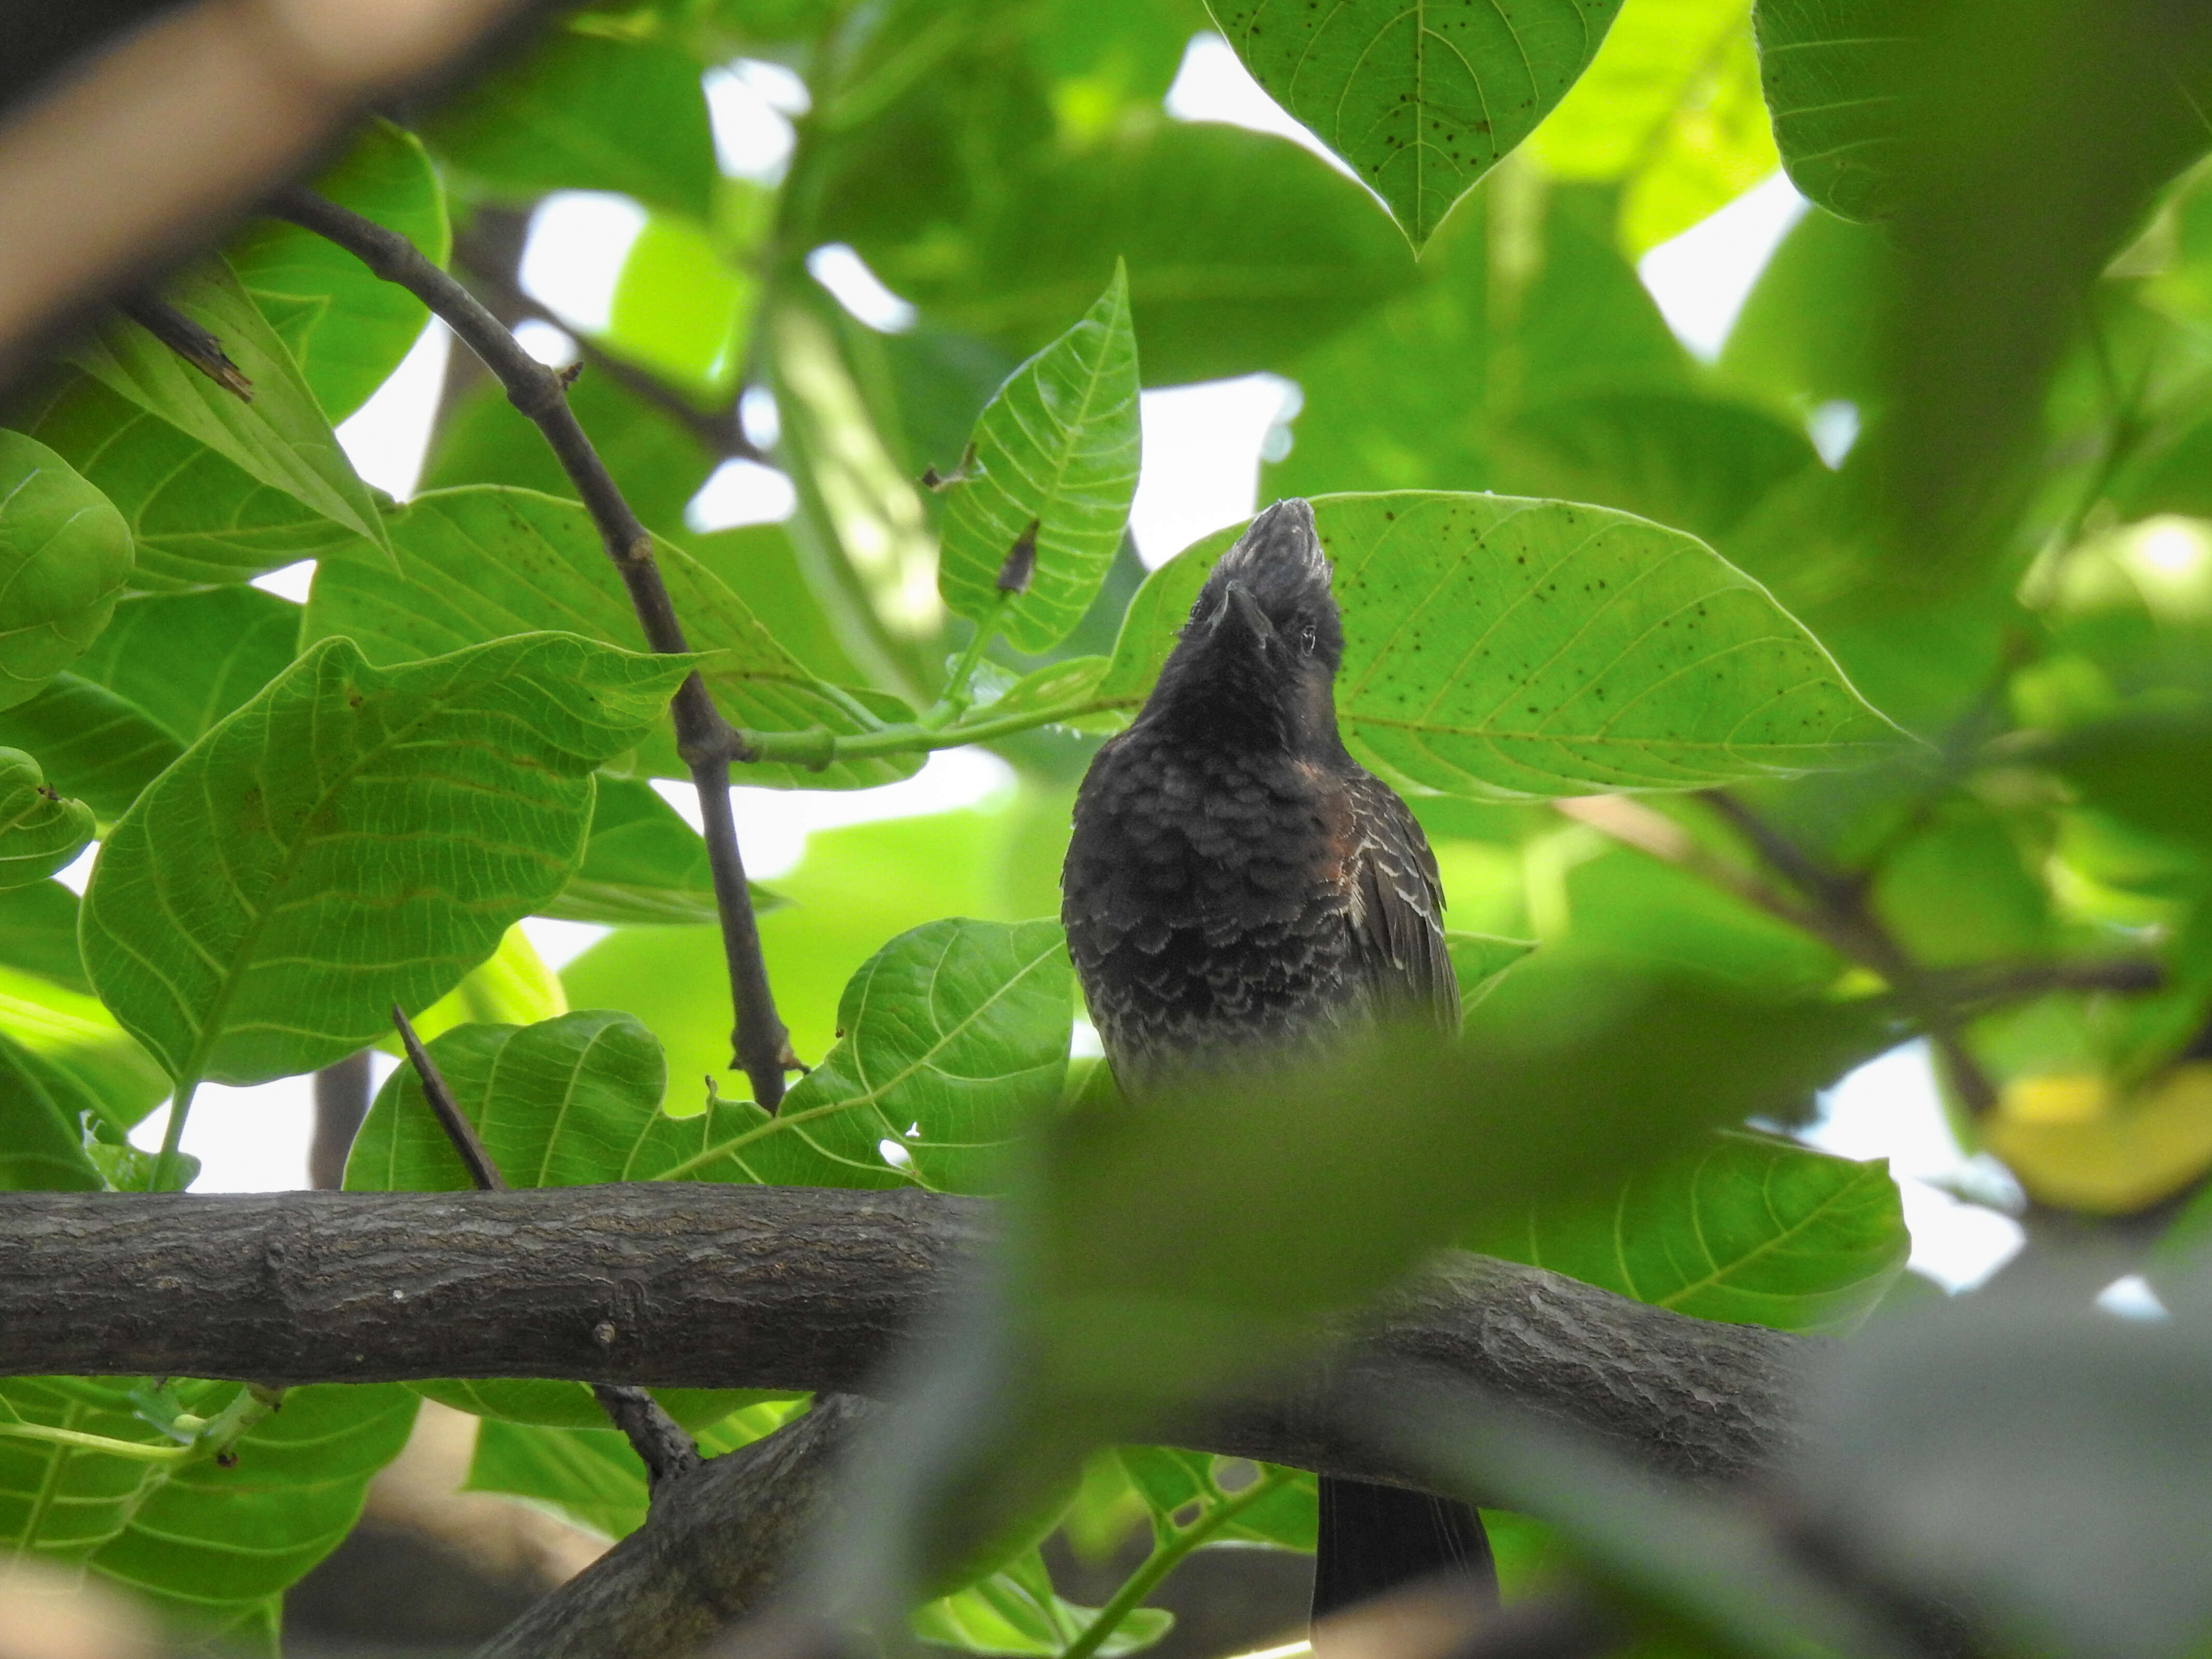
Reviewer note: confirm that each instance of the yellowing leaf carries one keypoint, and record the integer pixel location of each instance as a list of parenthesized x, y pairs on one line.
[(2073, 1147)]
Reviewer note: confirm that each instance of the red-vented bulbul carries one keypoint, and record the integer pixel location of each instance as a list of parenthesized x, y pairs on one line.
[(1239, 890)]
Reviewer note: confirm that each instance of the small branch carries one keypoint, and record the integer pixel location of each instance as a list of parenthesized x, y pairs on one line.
[(760, 1044), (719, 432), (483, 1171), (191, 342), (659, 1441)]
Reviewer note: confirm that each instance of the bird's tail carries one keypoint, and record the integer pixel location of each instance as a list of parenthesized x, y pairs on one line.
[(1377, 1539)]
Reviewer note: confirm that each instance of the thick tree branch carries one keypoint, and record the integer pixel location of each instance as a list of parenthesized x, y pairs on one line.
[(707, 743), (767, 1287), (774, 1287), (714, 1550)]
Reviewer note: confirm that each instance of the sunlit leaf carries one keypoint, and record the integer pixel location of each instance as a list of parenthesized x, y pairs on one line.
[(1057, 449), (1671, 106), (1501, 648), (65, 556), (484, 561), (592, 1475), (1016, 1611), (282, 438), (680, 309), (195, 516), (955, 1037), (1421, 101), (234, 923)]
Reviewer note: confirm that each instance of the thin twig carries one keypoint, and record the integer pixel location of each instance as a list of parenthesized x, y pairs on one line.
[(484, 1173), (760, 1044), (719, 432), (667, 1452)]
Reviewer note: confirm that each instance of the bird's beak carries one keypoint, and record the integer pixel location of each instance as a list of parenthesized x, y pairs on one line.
[(1239, 606)]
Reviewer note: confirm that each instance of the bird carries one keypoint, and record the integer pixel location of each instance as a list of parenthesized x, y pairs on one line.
[(1237, 891)]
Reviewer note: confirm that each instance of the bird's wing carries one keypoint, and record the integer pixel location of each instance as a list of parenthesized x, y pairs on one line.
[(1397, 908)]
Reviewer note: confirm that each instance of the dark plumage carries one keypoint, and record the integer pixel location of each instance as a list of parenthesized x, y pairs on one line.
[(1238, 888)]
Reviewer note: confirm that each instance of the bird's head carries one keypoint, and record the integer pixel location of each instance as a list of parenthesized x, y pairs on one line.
[(1257, 660)]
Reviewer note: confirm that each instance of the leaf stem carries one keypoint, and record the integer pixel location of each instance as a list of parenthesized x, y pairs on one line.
[(1168, 1554), (952, 702), (208, 1437), (173, 1137), (760, 1044), (818, 748)]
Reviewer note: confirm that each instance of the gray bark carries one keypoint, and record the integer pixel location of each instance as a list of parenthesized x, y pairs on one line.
[(762, 1287)]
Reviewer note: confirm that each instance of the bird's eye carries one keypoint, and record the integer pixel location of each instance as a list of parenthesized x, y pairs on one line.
[(1306, 639)]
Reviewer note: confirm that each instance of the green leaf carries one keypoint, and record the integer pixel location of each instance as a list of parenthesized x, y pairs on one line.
[(1170, 1480), (74, 1031), (196, 517), (1422, 102), (1417, 393), (566, 1102), (1750, 1230), (1671, 105), (955, 1037), (1692, 462), (208, 1545), (1017, 1610), (186, 660), (585, 113), (168, 667), (643, 865), (1506, 648), (281, 438), (680, 309), (480, 562), (65, 556), (347, 327), (1057, 447), (856, 887), (38, 932), (39, 831), (1838, 77), (41, 1126), (235, 924), (657, 464), (1243, 249), (1480, 960)]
